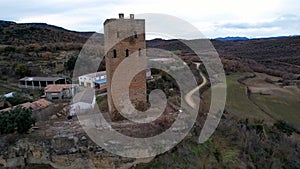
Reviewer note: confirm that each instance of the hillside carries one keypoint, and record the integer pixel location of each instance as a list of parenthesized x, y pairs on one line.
[(275, 56), (35, 44), (43, 49), (41, 33), (236, 143)]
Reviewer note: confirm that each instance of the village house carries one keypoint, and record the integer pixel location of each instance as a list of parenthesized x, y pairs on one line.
[(60, 91), (42, 109)]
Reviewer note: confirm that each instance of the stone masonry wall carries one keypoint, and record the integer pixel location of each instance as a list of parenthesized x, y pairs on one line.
[(119, 35)]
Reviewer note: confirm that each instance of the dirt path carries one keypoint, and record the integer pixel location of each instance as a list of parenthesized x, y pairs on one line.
[(188, 97)]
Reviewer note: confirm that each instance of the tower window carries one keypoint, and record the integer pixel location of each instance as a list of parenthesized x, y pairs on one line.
[(135, 34), (118, 34), (127, 53), (115, 53), (140, 52)]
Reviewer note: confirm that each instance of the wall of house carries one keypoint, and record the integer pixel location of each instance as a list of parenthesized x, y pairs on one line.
[(45, 113), (86, 81), (80, 107), (89, 81), (54, 96)]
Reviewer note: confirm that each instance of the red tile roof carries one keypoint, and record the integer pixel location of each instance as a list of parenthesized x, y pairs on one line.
[(36, 105), (57, 87)]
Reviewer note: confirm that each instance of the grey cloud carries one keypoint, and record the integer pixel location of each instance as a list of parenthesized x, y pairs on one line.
[(284, 21), (16, 9)]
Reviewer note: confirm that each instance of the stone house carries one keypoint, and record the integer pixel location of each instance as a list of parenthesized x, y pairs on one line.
[(60, 92), (42, 109)]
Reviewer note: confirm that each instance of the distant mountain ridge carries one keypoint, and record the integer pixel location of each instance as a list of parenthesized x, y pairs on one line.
[(238, 38), (229, 38)]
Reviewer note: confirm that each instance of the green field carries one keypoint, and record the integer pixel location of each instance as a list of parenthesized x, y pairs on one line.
[(279, 106), (294, 91), (237, 101)]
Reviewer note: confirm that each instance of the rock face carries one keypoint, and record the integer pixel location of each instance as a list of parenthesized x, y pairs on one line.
[(59, 152), (60, 144)]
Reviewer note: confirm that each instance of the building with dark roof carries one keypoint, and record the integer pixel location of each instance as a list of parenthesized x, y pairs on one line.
[(39, 83)]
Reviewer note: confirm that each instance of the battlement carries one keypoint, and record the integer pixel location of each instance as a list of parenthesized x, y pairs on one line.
[(121, 17)]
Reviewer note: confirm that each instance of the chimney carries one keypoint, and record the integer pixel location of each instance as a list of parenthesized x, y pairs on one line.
[(121, 16), (131, 16)]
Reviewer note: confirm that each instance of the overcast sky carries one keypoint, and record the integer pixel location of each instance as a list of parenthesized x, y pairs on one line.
[(214, 18)]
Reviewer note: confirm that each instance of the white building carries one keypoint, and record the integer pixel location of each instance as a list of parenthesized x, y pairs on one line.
[(83, 102), (88, 80), (98, 79)]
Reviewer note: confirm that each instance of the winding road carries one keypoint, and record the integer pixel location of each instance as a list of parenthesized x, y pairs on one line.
[(188, 97)]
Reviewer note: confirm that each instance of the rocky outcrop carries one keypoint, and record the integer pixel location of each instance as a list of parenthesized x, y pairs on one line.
[(61, 151)]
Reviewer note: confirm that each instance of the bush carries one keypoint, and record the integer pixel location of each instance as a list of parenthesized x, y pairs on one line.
[(17, 100), (70, 64), (10, 49), (21, 70), (18, 119), (284, 127)]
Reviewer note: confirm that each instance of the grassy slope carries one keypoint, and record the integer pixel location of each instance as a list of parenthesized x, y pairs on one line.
[(237, 101), (294, 91), (281, 107)]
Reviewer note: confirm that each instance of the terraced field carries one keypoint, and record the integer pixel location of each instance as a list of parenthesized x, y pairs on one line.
[(280, 107), (237, 101), (280, 104)]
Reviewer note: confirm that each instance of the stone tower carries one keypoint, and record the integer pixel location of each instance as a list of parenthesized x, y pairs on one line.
[(125, 37)]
